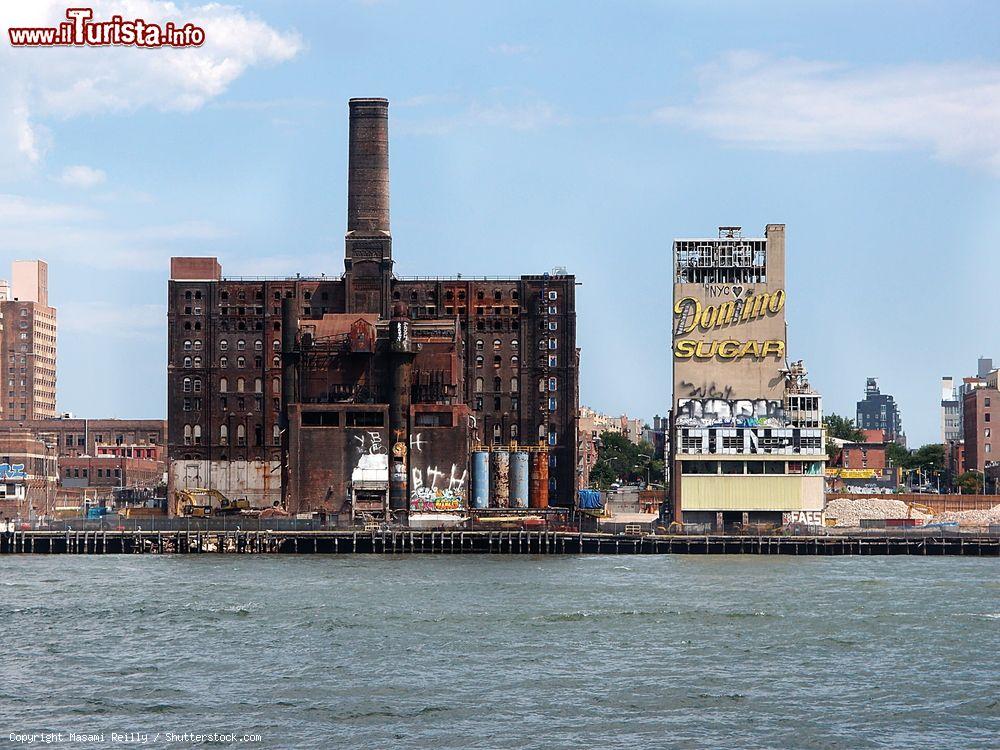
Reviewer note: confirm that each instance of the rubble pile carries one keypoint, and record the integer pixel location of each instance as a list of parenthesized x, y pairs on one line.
[(972, 517), (850, 511)]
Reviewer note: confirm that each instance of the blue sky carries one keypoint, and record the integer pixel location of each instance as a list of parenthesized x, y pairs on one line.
[(527, 135)]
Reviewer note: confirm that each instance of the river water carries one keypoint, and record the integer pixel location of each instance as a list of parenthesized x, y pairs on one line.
[(504, 651)]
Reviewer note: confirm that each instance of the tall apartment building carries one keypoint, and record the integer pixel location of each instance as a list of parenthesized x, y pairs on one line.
[(879, 411), (28, 344), (257, 365), (747, 441)]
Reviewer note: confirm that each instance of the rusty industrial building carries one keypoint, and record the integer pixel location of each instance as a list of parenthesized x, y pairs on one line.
[(369, 391)]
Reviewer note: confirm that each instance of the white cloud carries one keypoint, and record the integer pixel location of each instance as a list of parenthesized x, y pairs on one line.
[(116, 320), (78, 236), (16, 210), (509, 50), (64, 82), (499, 109), (82, 176), (951, 110)]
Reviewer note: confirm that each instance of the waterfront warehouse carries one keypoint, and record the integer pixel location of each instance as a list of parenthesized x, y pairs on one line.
[(747, 435)]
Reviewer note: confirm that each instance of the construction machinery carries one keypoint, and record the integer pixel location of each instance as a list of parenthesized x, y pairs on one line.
[(199, 502)]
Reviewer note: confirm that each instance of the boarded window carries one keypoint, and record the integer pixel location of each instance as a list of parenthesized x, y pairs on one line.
[(365, 419), (432, 419), (320, 419)]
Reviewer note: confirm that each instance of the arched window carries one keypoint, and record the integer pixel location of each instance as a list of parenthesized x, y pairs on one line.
[(514, 344), (514, 361), (240, 385), (223, 385), (187, 345), (258, 345), (496, 385), (223, 362), (197, 361), (241, 435), (187, 361), (479, 360), (241, 361), (258, 385), (187, 385), (197, 385), (276, 434), (541, 385), (223, 345), (479, 385), (197, 345), (276, 345), (513, 385), (197, 434), (276, 362), (241, 345), (276, 386), (223, 435), (479, 345), (541, 432), (187, 434), (497, 344)]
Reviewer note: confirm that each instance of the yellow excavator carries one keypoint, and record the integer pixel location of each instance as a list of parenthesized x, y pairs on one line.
[(199, 502)]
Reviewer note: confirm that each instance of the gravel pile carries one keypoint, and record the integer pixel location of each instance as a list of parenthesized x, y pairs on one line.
[(849, 512), (972, 517)]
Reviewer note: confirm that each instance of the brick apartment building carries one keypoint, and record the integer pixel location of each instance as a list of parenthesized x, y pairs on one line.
[(28, 344), (978, 407), (256, 365)]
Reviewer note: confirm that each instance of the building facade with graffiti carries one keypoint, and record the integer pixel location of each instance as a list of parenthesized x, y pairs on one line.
[(345, 391), (747, 437)]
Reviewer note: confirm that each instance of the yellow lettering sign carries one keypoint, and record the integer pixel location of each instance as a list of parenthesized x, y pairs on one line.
[(690, 314), (729, 349)]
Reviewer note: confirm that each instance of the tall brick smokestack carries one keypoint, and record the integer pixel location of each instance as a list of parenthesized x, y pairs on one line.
[(368, 166)]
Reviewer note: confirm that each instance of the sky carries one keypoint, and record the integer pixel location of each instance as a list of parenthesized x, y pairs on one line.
[(524, 136)]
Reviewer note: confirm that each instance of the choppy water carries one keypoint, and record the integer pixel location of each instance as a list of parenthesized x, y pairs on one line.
[(507, 652)]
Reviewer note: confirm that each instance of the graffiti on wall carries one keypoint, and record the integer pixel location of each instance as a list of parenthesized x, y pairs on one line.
[(434, 487), (12, 471), (707, 390), (369, 442), (720, 412), (808, 517)]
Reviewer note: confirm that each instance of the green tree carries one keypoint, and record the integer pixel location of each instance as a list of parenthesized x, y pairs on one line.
[(842, 428), (620, 460), (970, 483), (897, 455)]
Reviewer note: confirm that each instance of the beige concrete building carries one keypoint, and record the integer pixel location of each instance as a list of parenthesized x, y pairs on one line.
[(28, 344), (747, 430)]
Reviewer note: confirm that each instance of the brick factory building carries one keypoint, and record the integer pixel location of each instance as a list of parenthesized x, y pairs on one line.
[(747, 428), (28, 473), (76, 436), (105, 454), (367, 391), (28, 343)]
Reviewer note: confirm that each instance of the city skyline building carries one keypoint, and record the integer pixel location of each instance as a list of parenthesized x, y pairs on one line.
[(879, 411), (28, 343), (266, 375)]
